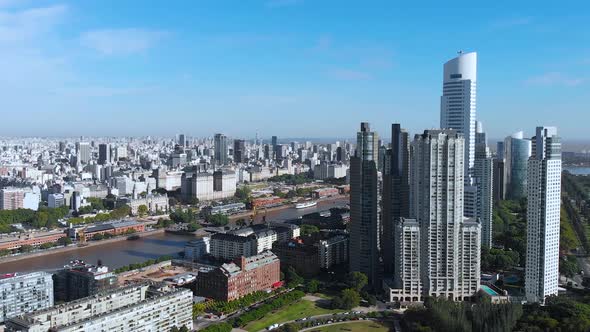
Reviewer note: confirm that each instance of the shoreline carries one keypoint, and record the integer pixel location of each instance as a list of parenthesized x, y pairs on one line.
[(262, 211), (76, 247)]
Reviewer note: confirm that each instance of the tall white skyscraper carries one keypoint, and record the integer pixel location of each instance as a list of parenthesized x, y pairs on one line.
[(449, 244), (458, 103), (543, 212)]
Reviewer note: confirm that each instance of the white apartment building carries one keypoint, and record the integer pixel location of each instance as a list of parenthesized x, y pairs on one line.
[(230, 246), (21, 294), (133, 308), (406, 285), (543, 212), (449, 258), (56, 200)]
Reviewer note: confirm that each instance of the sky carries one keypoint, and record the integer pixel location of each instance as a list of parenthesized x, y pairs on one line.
[(291, 68)]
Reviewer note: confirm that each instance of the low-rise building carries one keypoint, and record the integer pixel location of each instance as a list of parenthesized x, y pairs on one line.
[(234, 280), (230, 246), (141, 307), (14, 242), (154, 202), (24, 293), (112, 228)]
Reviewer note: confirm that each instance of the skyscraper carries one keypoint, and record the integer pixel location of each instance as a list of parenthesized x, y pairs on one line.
[(543, 212), (239, 150), (396, 190), (104, 153), (83, 152), (220, 142), (483, 173), (364, 220), (517, 151), (447, 241), (182, 140), (458, 103)]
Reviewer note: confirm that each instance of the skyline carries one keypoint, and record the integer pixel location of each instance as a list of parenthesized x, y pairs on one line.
[(74, 69)]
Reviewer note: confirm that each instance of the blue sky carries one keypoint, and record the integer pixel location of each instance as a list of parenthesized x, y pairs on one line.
[(290, 68)]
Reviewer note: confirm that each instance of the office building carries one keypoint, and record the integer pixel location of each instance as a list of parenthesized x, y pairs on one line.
[(239, 151), (517, 151), (364, 201), (78, 279), (197, 249), (56, 200), (458, 103), (396, 190), (83, 152), (234, 280), (105, 154), (483, 175), (543, 215), (24, 293), (220, 144), (182, 140), (132, 308), (208, 186)]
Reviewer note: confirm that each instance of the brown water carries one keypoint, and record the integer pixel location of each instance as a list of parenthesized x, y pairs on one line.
[(117, 254)]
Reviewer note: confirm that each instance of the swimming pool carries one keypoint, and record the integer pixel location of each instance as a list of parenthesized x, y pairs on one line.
[(488, 290)]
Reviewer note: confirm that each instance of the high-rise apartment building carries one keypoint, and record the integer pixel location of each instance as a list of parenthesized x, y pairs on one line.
[(449, 245), (220, 143), (364, 201), (483, 181), (23, 293), (543, 215), (396, 191), (11, 198)]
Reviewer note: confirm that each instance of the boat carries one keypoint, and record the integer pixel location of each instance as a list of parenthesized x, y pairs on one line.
[(304, 205)]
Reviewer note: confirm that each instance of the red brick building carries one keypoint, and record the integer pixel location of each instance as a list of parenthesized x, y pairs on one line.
[(234, 280), (116, 228), (31, 239)]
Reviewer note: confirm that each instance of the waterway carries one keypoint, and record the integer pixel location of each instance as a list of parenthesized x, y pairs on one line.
[(578, 170), (121, 253)]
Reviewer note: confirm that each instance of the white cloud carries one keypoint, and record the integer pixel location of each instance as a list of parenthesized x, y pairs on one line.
[(555, 78), (121, 41), (23, 25)]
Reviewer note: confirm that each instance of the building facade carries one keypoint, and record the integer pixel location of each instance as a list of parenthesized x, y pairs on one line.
[(517, 151), (364, 201), (133, 308), (78, 280), (235, 280), (543, 215), (21, 294)]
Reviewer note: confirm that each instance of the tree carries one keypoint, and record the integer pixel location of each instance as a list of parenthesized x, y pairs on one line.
[(4, 252), (309, 229), (312, 286), (172, 201), (26, 248), (142, 210), (64, 241), (348, 299), (218, 219), (293, 279), (289, 327), (243, 194), (357, 280)]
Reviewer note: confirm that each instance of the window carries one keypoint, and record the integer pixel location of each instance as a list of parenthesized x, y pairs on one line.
[(456, 75)]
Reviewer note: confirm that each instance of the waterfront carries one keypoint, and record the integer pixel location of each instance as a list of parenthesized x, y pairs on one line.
[(121, 253), (578, 170)]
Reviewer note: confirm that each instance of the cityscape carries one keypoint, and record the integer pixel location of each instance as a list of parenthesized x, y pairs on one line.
[(444, 228)]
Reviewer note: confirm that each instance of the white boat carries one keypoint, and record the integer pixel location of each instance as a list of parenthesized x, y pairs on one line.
[(304, 205)]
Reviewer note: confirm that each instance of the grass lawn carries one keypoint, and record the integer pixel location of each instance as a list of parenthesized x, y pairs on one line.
[(298, 310), (354, 327)]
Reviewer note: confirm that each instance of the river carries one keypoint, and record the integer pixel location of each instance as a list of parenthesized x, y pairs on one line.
[(578, 170), (117, 254)]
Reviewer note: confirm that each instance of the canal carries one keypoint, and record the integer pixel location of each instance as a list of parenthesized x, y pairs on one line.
[(117, 254)]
